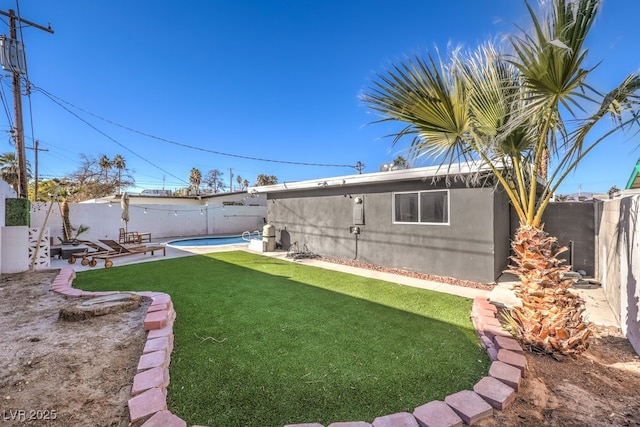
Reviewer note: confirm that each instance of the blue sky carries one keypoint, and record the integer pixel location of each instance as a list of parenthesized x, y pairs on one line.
[(277, 80)]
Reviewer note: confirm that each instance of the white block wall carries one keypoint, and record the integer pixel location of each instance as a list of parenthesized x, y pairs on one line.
[(162, 221)]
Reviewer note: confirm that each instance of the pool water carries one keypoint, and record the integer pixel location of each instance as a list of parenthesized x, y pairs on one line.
[(209, 241)]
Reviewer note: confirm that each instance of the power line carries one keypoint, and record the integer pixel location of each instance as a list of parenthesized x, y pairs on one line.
[(58, 101), (107, 136), (4, 103)]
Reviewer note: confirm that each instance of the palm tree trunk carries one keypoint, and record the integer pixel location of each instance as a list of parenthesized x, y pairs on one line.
[(550, 319), (66, 221)]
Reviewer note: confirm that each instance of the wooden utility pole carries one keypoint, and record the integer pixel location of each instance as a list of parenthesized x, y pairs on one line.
[(17, 102), (36, 149)]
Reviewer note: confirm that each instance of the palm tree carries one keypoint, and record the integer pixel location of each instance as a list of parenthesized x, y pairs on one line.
[(120, 164), (509, 113), (105, 165), (195, 177), (400, 162), (9, 169)]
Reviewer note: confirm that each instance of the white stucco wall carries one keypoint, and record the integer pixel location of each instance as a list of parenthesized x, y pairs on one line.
[(161, 220), (618, 259)]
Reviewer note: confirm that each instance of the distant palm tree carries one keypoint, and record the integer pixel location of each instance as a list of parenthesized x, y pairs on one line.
[(9, 170), (240, 182), (120, 164), (195, 177), (105, 165), (511, 114), (401, 163)]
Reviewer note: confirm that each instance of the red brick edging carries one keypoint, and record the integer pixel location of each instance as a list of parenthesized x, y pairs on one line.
[(149, 389), (495, 391)]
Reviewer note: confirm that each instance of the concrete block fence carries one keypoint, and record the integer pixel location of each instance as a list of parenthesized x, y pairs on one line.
[(148, 404)]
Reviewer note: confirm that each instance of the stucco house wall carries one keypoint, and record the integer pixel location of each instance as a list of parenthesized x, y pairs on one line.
[(474, 245)]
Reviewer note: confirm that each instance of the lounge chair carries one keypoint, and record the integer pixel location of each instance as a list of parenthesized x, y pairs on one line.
[(118, 250), (88, 257)]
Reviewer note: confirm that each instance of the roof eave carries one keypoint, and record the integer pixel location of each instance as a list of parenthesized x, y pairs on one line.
[(423, 173)]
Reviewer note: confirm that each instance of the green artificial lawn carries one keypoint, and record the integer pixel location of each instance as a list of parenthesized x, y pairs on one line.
[(265, 342)]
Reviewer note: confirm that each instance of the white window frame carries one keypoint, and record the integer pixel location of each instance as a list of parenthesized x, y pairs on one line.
[(419, 192)]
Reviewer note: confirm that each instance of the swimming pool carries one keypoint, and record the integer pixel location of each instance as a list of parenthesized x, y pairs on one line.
[(212, 241)]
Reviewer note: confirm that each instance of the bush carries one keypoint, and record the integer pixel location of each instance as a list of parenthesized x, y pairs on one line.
[(17, 212)]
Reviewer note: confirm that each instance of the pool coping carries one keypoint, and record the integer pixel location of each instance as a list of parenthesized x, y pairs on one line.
[(148, 404), (245, 241)]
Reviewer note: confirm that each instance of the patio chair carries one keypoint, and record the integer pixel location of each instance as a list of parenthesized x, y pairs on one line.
[(126, 237), (118, 250)]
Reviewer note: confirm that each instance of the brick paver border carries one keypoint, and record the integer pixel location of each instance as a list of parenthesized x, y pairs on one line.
[(496, 391)]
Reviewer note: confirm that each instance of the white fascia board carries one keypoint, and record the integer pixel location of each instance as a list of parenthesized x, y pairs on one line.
[(372, 178)]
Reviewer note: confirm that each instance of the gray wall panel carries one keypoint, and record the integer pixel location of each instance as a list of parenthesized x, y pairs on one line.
[(464, 249), (571, 221)]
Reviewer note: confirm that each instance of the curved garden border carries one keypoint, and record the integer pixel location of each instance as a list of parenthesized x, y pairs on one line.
[(495, 391)]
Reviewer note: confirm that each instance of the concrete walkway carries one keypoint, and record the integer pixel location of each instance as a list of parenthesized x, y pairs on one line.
[(597, 308)]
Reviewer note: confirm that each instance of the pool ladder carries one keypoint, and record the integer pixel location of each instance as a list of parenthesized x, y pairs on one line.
[(248, 235)]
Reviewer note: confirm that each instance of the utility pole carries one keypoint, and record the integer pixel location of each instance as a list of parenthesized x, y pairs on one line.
[(17, 101), (36, 149), (230, 180)]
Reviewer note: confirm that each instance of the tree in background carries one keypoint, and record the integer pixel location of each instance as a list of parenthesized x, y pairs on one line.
[(195, 177), (90, 180), (240, 182), (213, 180), (263, 179), (105, 165), (120, 164), (509, 113), (46, 190), (9, 169), (400, 163)]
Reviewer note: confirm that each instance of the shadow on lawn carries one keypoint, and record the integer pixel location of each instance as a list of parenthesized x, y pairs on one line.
[(292, 343)]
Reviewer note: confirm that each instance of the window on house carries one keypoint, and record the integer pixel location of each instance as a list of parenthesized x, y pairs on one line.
[(421, 207)]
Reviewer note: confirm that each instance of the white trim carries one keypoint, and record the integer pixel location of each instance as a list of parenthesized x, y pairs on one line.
[(418, 192), (424, 173)]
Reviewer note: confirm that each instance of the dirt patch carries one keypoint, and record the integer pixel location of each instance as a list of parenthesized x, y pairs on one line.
[(62, 373), (84, 370), (601, 387)]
